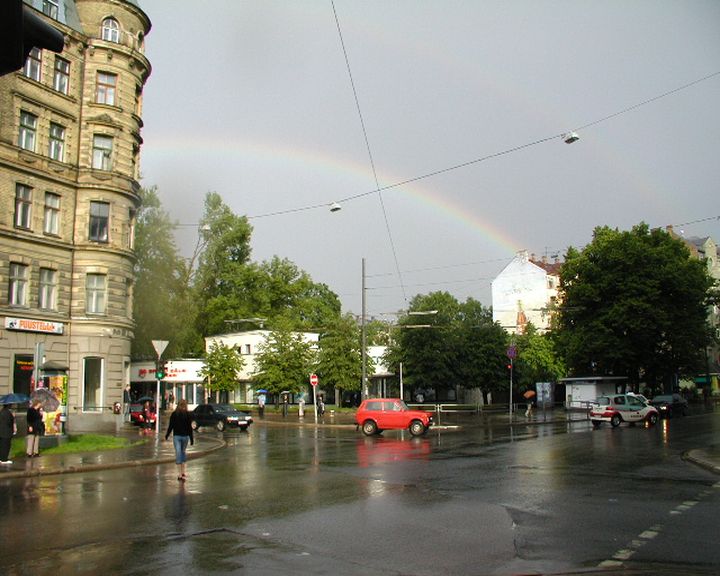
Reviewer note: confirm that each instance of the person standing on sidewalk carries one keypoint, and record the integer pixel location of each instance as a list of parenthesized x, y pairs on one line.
[(8, 429), (34, 425), (181, 427)]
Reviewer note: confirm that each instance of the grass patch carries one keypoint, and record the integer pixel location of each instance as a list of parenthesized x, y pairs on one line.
[(78, 443)]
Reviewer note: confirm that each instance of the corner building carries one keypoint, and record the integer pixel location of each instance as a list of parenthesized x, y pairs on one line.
[(69, 163)]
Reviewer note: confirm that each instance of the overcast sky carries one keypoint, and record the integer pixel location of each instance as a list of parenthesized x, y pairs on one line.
[(252, 99)]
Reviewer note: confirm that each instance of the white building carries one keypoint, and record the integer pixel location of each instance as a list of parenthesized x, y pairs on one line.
[(524, 291), (248, 345)]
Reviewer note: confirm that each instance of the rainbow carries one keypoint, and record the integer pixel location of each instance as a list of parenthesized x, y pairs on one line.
[(168, 150)]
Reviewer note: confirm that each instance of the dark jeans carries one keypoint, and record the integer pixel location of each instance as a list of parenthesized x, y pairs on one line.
[(5, 448)]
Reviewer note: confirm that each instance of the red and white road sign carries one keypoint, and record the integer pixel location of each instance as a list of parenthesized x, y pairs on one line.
[(313, 379)]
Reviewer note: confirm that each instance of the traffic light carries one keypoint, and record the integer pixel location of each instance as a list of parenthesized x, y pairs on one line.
[(21, 30), (160, 369)]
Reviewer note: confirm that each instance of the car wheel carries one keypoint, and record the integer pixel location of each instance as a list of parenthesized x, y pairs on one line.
[(596, 423), (194, 425), (369, 428), (220, 425), (615, 420), (417, 428), (652, 419)]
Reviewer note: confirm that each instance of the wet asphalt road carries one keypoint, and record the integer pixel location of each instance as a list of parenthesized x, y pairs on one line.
[(467, 500)]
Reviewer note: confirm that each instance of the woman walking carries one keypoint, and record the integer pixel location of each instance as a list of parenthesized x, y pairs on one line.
[(181, 427), (34, 429)]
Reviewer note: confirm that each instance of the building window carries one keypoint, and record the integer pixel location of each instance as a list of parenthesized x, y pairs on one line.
[(28, 128), (99, 220), (102, 152), (57, 142), (51, 223), (61, 79), (106, 84), (23, 206), (17, 293), (47, 295), (33, 64), (111, 30), (95, 294), (50, 8), (247, 349), (92, 384)]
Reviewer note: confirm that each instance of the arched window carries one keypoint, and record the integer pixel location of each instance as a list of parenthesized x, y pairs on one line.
[(110, 30)]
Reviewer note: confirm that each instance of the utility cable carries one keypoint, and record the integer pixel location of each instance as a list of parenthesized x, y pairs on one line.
[(485, 158), (377, 190)]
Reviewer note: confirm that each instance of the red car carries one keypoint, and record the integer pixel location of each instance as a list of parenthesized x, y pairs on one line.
[(377, 414)]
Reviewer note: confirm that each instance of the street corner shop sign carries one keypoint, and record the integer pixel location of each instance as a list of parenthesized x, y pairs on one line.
[(30, 325)]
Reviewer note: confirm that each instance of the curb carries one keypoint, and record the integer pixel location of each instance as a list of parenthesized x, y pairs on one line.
[(699, 457), (218, 444)]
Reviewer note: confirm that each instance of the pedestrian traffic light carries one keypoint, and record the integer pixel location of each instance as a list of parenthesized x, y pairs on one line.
[(21, 30), (160, 369)]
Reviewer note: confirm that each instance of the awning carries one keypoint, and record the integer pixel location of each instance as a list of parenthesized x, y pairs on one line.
[(53, 366)]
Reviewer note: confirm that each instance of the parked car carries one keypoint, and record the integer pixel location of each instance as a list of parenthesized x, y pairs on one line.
[(220, 416), (136, 411), (619, 408), (670, 404), (377, 414)]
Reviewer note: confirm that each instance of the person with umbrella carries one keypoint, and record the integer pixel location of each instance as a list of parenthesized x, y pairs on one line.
[(529, 395), (34, 426), (8, 429)]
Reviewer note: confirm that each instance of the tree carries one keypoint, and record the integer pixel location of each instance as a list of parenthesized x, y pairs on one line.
[(231, 286), (481, 350), (634, 304), (158, 288), (426, 343), (221, 369), (285, 361), (340, 356), (222, 265), (537, 359)]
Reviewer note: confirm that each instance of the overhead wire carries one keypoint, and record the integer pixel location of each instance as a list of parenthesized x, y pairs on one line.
[(369, 151), (485, 158)]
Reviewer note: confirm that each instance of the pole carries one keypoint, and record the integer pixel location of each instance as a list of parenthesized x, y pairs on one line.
[(402, 397), (363, 338), (157, 406), (511, 403), (315, 406)]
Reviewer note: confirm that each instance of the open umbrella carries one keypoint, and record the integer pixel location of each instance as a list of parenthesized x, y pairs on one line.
[(47, 399), (262, 391), (529, 394), (14, 398)]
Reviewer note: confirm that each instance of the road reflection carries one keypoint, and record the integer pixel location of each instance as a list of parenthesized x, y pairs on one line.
[(376, 450)]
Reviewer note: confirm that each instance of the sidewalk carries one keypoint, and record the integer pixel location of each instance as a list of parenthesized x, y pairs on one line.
[(150, 451), (157, 451)]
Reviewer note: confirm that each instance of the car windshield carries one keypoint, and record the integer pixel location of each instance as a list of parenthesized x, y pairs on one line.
[(663, 399), (224, 408), (602, 400)]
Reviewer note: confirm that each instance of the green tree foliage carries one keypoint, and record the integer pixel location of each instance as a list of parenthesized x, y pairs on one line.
[(426, 344), (481, 349), (222, 265), (158, 279), (222, 367), (537, 359), (231, 287), (339, 355), (285, 361), (633, 304)]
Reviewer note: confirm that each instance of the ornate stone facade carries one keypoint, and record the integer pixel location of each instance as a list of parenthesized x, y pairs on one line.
[(69, 163)]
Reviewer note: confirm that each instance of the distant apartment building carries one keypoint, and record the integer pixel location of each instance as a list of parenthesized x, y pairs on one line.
[(70, 143), (705, 248), (525, 291)]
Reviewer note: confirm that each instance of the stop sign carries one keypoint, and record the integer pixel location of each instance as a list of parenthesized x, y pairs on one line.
[(313, 379)]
